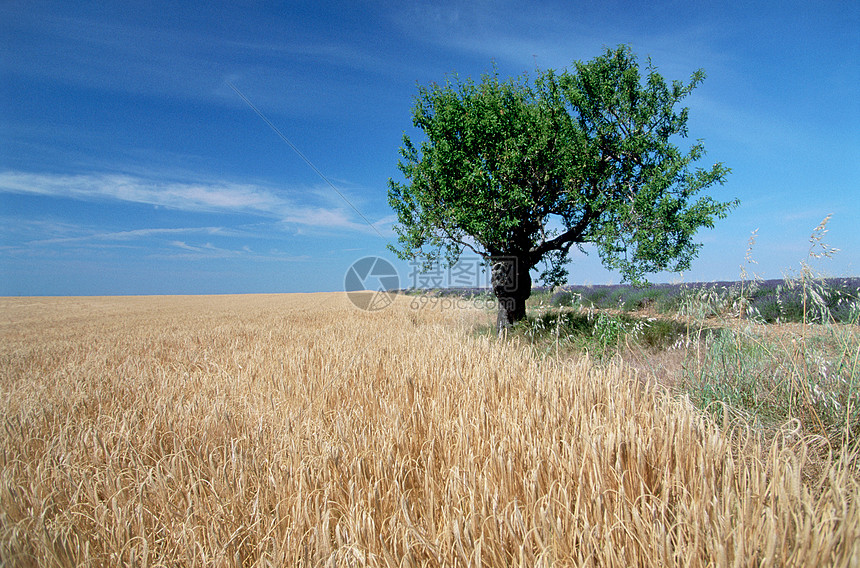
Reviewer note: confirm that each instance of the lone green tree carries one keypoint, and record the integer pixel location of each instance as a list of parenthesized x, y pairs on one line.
[(519, 171)]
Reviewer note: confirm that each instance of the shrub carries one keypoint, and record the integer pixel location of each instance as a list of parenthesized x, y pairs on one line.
[(660, 334), (564, 299), (640, 299)]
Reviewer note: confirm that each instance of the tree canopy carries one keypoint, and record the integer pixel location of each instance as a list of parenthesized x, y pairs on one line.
[(518, 171)]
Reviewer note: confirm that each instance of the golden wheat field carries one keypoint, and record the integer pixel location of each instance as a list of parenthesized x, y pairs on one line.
[(296, 430)]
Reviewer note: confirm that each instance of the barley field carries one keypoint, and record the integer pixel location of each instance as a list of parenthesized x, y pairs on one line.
[(296, 430)]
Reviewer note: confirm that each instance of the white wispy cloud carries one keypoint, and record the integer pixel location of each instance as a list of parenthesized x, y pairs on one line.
[(115, 236), (209, 250), (178, 243), (221, 197), (500, 31), (182, 250), (96, 50), (185, 196)]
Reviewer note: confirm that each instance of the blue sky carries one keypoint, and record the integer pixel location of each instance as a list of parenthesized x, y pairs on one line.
[(129, 166)]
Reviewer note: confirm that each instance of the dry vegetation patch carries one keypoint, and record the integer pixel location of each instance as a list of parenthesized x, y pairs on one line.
[(291, 430)]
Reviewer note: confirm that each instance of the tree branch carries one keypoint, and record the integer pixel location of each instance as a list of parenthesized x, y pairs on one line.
[(450, 235), (565, 239)]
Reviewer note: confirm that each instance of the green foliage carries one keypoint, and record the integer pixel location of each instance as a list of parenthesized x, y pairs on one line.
[(609, 331), (600, 334), (590, 151)]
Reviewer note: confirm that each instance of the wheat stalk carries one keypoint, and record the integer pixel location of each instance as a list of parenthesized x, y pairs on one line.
[(294, 430)]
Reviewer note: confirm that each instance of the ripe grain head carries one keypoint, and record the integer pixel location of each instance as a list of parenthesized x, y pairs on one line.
[(297, 430)]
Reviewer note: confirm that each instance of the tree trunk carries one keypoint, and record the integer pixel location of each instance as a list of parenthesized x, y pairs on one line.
[(512, 286)]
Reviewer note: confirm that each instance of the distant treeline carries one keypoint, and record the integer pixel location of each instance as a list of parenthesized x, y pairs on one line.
[(833, 299)]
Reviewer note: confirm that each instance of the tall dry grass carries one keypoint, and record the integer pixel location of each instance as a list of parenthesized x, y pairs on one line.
[(297, 431)]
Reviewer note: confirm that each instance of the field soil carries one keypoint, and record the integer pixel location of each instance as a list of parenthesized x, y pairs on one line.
[(297, 430)]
